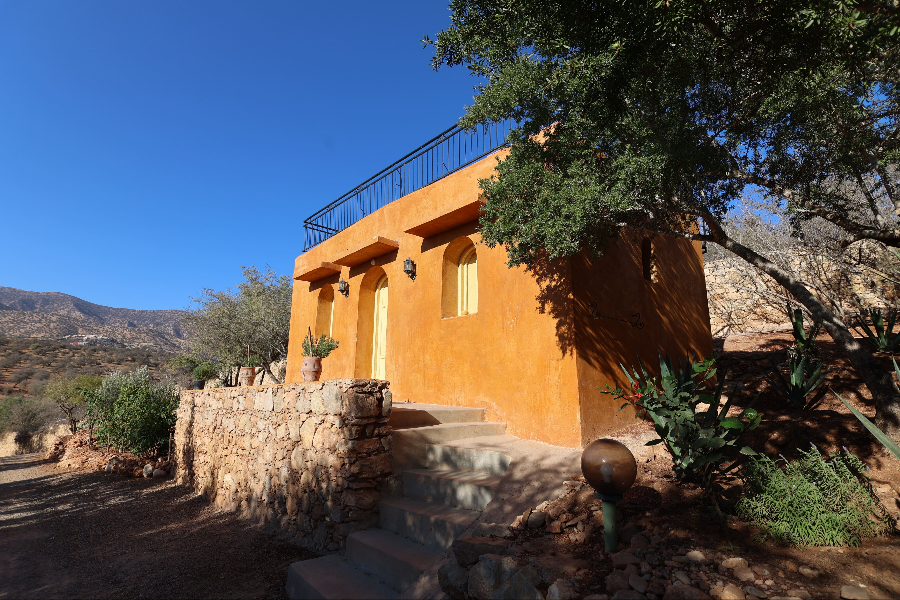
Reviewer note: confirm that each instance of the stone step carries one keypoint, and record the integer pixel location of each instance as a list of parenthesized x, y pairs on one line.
[(333, 577), (458, 458), (410, 444), (462, 489), (396, 560), (433, 525), (407, 415)]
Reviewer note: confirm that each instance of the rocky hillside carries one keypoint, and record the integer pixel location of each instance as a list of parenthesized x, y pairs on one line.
[(51, 315)]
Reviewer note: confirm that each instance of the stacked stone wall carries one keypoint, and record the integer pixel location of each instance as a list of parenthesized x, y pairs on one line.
[(308, 458)]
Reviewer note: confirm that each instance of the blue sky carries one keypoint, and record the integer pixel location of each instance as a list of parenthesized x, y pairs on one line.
[(148, 149)]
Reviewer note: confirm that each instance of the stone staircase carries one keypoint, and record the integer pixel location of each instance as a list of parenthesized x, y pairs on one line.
[(444, 489)]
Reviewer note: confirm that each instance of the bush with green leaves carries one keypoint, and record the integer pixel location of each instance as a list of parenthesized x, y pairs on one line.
[(882, 337), (132, 411), (321, 347), (813, 501), (688, 418)]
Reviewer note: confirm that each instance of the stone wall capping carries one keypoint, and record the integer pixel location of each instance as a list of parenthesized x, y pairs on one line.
[(306, 458)]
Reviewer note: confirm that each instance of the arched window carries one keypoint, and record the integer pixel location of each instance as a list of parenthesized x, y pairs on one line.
[(325, 311), (467, 286), (648, 260)]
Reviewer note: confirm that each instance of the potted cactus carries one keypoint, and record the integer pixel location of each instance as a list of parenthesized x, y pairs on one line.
[(314, 350)]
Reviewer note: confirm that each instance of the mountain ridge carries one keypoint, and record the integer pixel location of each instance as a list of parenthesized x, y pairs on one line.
[(53, 315)]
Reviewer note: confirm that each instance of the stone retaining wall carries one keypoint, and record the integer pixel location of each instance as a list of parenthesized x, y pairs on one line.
[(308, 458)]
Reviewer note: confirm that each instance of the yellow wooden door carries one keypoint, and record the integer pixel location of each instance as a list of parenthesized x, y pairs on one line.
[(468, 283), (379, 338)]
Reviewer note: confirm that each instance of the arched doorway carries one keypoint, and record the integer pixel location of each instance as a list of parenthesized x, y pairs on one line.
[(379, 329)]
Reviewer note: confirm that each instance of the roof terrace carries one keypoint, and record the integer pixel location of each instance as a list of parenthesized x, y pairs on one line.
[(444, 154)]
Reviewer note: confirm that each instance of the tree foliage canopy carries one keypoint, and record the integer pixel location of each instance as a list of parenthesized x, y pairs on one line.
[(222, 324), (656, 115)]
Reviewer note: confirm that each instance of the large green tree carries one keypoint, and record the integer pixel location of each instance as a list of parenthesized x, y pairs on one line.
[(657, 115)]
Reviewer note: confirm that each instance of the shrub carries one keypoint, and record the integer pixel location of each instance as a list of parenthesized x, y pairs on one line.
[(882, 337), (802, 379), (27, 418), (812, 501), (697, 438), (320, 347), (132, 411)]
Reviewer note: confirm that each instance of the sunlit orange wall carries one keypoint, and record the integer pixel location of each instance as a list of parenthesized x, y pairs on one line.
[(521, 356)]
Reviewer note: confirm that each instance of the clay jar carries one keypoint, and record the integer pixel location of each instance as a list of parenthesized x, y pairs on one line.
[(247, 375), (312, 368)]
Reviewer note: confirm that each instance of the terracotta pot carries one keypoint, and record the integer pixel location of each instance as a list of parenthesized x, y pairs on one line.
[(312, 368), (247, 375)]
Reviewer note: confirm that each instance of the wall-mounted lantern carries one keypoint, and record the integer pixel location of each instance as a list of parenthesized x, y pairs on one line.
[(409, 267), (609, 467), (344, 288)]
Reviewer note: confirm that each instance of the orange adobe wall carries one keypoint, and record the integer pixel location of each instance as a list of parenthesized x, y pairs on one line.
[(530, 355)]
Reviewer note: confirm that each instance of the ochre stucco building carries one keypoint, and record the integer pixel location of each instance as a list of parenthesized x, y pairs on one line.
[(532, 347)]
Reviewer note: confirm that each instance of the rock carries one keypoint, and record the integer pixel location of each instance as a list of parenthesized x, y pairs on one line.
[(531, 574), (638, 583), (625, 595), (744, 574), (680, 591), (625, 557), (518, 588), (854, 592), (629, 531), (468, 550), (159, 473), (752, 591), (148, 471), (491, 530), (536, 519), (562, 589), (682, 577), (597, 597), (639, 542), (631, 570), (577, 537), (695, 555), (489, 575), (617, 581), (734, 563), (798, 593), (808, 572), (790, 566), (731, 592), (453, 580), (555, 527)]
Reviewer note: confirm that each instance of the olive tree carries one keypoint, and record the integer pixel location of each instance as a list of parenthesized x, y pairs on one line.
[(69, 394), (223, 325), (659, 115)]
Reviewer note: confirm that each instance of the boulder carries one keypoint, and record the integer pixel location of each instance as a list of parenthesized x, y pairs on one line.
[(468, 550), (148, 471), (453, 580), (854, 592), (536, 519), (490, 574), (734, 563), (744, 574), (731, 592), (695, 555), (808, 572), (159, 473), (617, 581), (562, 589)]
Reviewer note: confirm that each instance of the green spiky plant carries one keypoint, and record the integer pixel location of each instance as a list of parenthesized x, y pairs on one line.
[(691, 422), (320, 347), (813, 501), (882, 337), (870, 426), (803, 378), (804, 342)]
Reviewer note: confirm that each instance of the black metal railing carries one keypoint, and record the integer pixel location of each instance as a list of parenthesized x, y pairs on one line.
[(445, 154)]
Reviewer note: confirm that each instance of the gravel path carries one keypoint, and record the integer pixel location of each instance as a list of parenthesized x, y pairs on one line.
[(89, 535)]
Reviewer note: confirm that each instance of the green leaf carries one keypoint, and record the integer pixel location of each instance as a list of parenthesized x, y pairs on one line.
[(731, 423), (879, 435), (748, 451), (654, 442)]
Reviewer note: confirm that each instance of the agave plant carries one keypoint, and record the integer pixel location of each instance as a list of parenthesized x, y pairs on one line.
[(804, 343), (803, 377), (879, 434), (881, 336)]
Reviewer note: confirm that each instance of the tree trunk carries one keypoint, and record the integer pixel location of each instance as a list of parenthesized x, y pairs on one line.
[(885, 393), (268, 370)]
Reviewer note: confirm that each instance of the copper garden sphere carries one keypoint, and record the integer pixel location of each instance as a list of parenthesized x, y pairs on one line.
[(609, 467)]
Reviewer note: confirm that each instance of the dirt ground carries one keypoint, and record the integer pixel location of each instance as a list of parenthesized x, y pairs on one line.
[(89, 535)]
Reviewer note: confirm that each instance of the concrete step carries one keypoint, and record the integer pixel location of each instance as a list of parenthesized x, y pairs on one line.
[(462, 489), (334, 577), (433, 525), (407, 415), (396, 560), (459, 458), (410, 444)]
